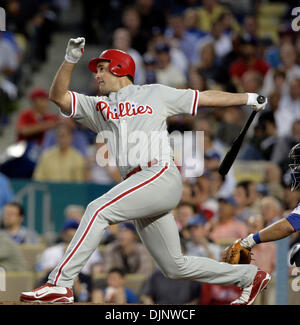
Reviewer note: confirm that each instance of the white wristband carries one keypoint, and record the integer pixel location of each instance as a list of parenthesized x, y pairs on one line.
[(70, 60), (252, 99)]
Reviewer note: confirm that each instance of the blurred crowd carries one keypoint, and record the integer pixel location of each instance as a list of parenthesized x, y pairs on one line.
[(30, 26), (202, 45)]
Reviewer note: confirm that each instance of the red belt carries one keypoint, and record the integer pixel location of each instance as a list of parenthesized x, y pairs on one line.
[(138, 168)]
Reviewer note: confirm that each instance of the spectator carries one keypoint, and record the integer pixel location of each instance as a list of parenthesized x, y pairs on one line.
[(247, 61), (79, 136), (13, 217), (150, 63), (297, 46), (200, 244), (217, 183), (271, 210), (209, 12), (190, 21), (150, 16), (241, 196), (251, 82), (187, 193), (9, 63), (131, 20), (6, 192), (222, 41), (53, 255), (115, 292), (250, 27), (11, 258), (178, 58), (291, 198), (207, 65), (185, 211), (287, 65), (212, 155), (264, 255), (273, 181), (203, 195), (231, 26), (264, 139), (74, 212), (289, 109), (110, 235), (61, 163), (167, 73), (225, 227), (261, 191), (127, 253), (196, 80), (102, 166), (9, 59), (160, 290), (34, 122), (122, 41), (182, 39), (284, 145), (230, 125)]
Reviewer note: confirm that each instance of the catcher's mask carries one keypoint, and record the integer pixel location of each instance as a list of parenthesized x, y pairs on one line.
[(294, 165)]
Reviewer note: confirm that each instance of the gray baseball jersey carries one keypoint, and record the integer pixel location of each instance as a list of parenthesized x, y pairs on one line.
[(148, 196), (133, 120)]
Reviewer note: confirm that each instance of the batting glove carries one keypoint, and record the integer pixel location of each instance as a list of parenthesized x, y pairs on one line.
[(252, 101), (75, 49)]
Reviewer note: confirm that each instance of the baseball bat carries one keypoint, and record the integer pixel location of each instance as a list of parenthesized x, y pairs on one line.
[(237, 143)]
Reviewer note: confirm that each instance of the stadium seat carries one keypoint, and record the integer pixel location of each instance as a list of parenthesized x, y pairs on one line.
[(31, 253), (135, 282), (250, 170), (16, 282)]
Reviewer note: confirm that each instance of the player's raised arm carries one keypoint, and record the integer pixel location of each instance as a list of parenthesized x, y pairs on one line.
[(216, 98), (59, 89)]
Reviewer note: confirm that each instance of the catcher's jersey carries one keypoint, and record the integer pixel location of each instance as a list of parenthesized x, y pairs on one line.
[(132, 121), (294, 218)]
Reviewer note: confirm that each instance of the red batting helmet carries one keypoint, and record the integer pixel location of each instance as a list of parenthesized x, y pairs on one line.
[(121, 63)]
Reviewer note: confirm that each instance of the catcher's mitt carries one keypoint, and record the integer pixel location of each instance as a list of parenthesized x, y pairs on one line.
[(237, 254)]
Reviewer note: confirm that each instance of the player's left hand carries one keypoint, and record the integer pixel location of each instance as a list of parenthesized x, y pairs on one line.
[(252, 101), (75, 49)]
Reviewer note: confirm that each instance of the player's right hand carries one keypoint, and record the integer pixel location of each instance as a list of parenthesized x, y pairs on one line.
[(253, 101), (75, 49)]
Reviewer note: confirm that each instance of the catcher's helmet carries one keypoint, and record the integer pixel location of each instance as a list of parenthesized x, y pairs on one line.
[(294, 157), (121, 63)]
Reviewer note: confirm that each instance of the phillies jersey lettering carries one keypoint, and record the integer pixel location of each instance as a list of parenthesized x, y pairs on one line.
[(133, 121), (124, 109)]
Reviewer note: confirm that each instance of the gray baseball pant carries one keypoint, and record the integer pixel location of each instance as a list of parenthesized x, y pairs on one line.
[(147, 197)]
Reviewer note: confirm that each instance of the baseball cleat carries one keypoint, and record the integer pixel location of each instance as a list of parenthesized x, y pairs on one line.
[(48, 293), (250, 293), (295, 255)]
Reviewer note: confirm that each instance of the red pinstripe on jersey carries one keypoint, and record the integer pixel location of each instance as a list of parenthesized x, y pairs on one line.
[(120, 196), (195, 104), (73, 104)]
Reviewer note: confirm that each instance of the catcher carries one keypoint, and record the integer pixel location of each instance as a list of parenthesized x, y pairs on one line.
[(240, 251)]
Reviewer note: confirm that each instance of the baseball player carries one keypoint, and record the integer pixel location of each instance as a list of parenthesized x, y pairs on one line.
[(151, 185), (285, 226)]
